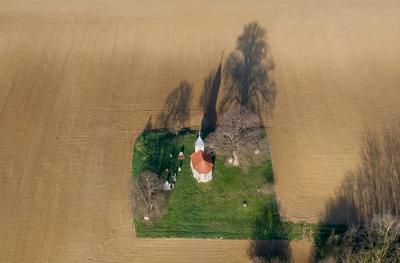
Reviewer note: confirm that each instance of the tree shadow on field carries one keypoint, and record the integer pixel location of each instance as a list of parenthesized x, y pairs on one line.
[(248, 72), (154, 146), (208, 100), (157, 136), (154, 150), (176, 113), (269, 242), (270, 251), (371, 189)]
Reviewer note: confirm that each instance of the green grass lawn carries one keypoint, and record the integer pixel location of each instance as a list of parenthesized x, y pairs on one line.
[(213, 209)]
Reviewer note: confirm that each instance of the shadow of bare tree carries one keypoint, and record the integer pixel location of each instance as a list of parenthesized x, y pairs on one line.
[(343, 208), (368, 192), (176, 108), (270, 240), (373, 187), (247, 72), (208, 100), (270, 251)]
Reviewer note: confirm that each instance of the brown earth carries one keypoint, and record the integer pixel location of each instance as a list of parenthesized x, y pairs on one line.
[(78, 82)]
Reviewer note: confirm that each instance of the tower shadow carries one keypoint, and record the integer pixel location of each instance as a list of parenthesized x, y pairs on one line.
[(208, 100)]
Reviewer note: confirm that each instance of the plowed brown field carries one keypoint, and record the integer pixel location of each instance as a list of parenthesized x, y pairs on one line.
[(79, 79)]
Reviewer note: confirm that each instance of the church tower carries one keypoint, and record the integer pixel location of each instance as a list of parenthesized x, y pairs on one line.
[(199, 144)]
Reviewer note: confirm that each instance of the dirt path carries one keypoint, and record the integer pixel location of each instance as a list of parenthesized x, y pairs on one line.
[(78, 82)]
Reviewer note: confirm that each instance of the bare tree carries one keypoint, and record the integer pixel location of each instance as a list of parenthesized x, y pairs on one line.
[(247, 71), (385, 231), (149, 187), (238, 128), (376, 241)]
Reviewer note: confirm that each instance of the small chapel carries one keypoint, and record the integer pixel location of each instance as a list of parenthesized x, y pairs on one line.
[(200, 162)]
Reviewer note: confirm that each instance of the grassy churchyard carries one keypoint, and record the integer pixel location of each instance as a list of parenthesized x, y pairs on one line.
[(214, 209)]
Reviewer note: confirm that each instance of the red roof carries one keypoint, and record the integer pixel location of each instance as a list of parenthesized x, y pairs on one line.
[(201, 162)]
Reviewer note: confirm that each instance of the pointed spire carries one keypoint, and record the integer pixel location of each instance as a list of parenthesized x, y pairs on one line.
[(199, 144)]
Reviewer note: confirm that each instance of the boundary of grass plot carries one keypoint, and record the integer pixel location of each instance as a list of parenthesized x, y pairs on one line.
[(212, 210)]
